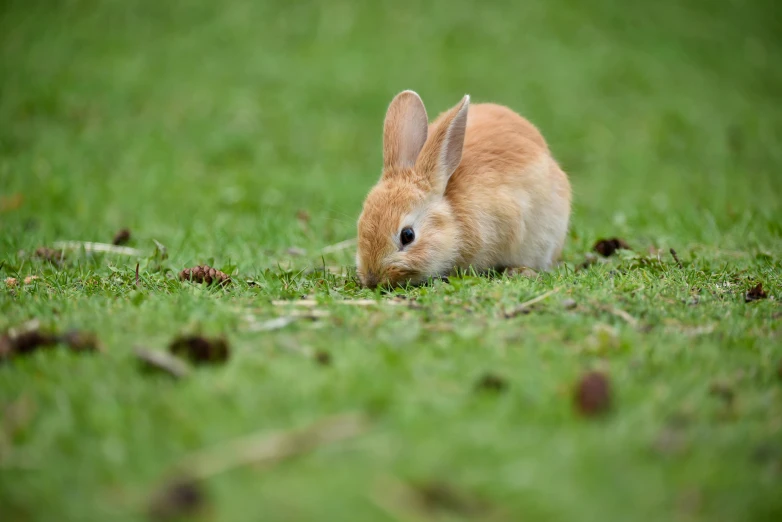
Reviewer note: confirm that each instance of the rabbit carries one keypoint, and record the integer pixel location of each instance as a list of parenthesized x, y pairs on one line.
[(478, 188)]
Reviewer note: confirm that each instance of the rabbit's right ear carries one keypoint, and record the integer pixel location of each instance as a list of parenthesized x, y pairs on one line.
[(404, 131)]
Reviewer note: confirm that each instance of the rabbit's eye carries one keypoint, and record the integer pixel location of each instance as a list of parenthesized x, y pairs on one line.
[(406, 236)]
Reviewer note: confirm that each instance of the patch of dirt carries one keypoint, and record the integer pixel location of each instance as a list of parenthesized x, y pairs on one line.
[(200, 350), (755, 293), (593, 394), (204, 274), (121, 237), (607, 247)]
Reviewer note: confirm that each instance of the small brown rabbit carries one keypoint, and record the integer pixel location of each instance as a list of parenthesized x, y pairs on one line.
[(477, 188)]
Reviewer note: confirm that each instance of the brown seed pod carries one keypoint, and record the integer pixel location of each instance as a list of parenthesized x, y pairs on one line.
[(121, 237), (204, 274), (593, 394)]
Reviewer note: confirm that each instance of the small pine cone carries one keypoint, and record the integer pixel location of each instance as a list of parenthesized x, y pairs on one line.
[(204, 274), (49, 254)]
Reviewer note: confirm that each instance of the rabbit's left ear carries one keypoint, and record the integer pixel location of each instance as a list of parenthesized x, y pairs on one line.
[(442, 153)]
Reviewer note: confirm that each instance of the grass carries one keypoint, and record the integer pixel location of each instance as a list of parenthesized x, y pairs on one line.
[(208, 126)]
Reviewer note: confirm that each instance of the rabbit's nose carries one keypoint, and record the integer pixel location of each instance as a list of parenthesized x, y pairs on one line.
[(371, 280)]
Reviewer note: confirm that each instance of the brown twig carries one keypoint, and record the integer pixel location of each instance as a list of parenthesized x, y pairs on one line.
[(350, 302), (676, 258), (137, 279), (89, 246), (629, 319), (162, 361)]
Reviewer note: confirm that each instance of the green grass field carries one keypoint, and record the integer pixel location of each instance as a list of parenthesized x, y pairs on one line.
[(208, 126)]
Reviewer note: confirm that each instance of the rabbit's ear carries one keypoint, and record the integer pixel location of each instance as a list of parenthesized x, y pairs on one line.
[(405, 130), (443, 152)]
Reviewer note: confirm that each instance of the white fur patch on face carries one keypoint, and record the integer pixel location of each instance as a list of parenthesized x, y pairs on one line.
[(438, 245)]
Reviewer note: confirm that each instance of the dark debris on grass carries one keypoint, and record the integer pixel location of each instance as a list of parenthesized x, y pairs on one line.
[(322, 357), (179, 499), (121, 237), (608, 247), (593, 394), (200, 350), (30, 341), (755, 293), (491, 382), (439, 496)]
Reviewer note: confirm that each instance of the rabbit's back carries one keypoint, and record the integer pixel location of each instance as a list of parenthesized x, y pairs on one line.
[(508, 193)]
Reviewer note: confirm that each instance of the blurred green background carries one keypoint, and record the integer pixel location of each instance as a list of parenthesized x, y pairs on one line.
[(208, 126), (211, 121)]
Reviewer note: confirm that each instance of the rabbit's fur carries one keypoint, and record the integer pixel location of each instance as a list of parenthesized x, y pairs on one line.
[(479, 188)]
